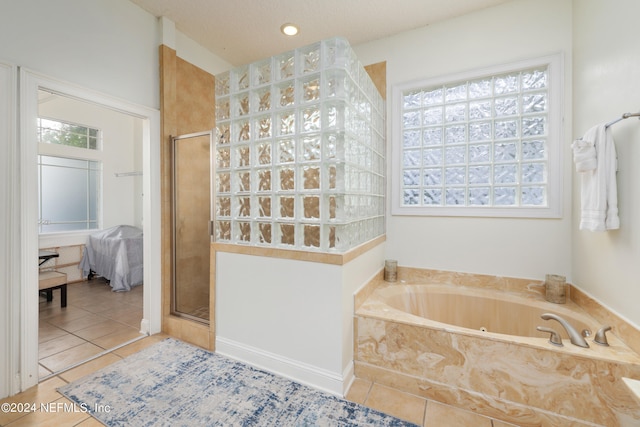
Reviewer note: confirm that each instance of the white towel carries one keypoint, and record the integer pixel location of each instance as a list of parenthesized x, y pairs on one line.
[(584, 155), (598, 194)]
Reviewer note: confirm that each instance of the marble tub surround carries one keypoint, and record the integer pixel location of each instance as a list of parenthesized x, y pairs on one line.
[(528, 288), (620, 327), (518, 379), (408, 275)]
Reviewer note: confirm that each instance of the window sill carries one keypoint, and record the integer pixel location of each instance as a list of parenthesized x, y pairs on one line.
[(68, 238), (481, 212)]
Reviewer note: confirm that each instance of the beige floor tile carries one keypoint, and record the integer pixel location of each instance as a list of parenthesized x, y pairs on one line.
[(114, 339), (133, 320), (69, 313), (106, 308), (81, 318), (58, 345), (120, 312), (41, 393), (106, 327), (438, 415), (81, 322), (498, 423), (47, 310), (90, 422), (70, 357), (397, 403), (43, 372), (61, 413), (358, 391), (94, 303), (47, 332), (89, 367), (135, 347), (136, 299)]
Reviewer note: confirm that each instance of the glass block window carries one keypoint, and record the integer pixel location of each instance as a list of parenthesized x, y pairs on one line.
[(480, 145)]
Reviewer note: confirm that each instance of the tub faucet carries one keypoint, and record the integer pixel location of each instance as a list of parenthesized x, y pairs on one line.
[(574, 336)]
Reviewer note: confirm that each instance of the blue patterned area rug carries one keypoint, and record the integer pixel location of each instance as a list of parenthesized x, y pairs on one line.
[(175, 384)]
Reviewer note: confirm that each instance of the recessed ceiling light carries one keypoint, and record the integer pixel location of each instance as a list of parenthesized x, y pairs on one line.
[(289, 29)]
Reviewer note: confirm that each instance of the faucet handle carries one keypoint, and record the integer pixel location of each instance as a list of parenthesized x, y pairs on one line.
[(554, 338), (601, 336)]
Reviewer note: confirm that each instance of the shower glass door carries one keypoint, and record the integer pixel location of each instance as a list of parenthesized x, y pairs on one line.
[(192, 219)]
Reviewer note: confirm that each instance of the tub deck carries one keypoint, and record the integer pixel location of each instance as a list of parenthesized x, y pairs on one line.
[(427, 340)]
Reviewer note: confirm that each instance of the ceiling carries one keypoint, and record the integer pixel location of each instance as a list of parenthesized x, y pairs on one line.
[(243, 31)]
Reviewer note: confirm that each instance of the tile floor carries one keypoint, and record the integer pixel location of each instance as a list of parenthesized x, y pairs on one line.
[(45, 393), (394, 402), (420, 411), (94, 320)]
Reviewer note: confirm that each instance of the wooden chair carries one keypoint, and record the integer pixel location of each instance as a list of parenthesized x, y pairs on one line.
[(50, 280)]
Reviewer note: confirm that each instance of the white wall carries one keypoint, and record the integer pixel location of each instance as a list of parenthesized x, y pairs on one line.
[(291, 317), (197, 55), (189, 50), (107, 45), (606, 83), (281, 314), (513, 31)]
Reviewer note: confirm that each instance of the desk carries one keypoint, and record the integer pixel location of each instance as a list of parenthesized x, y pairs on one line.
[(50, 280), (45, 256)]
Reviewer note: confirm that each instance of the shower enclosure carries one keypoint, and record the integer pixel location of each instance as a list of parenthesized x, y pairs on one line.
[(191, 225), (299, 157)]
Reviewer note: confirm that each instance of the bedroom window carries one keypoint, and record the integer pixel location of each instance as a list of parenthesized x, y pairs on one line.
[(485, 143), (70, 178), (69, 134)]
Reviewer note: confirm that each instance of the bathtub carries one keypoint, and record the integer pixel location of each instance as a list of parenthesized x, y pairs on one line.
[(479, 349)]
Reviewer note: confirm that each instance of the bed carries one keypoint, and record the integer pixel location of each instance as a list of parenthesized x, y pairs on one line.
[(116, 255)]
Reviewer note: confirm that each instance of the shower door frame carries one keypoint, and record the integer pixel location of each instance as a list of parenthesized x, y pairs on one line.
[(174, 139)]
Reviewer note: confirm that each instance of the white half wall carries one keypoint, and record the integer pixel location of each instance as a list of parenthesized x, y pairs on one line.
[(291, 317)]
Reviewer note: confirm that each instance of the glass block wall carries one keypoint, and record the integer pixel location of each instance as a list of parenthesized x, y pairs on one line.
[(300, 151)]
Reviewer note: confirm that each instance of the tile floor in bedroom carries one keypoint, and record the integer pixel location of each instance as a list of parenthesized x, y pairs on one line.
[(94, 320)]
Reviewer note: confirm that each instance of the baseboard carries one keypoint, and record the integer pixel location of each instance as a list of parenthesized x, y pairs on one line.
[(303, 373), (348, 377), (144, 327)]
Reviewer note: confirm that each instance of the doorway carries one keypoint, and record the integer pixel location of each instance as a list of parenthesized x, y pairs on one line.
[(89, 180), (31, 85)]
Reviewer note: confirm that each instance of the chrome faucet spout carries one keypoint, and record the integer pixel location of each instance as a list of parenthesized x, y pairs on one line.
[(574, 335)]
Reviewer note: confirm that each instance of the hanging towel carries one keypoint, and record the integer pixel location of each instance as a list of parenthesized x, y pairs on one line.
[(598, 193), (584, 155)]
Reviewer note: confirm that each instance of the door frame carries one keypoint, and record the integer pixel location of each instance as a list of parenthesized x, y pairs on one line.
[(27, 330), (9, 242)]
